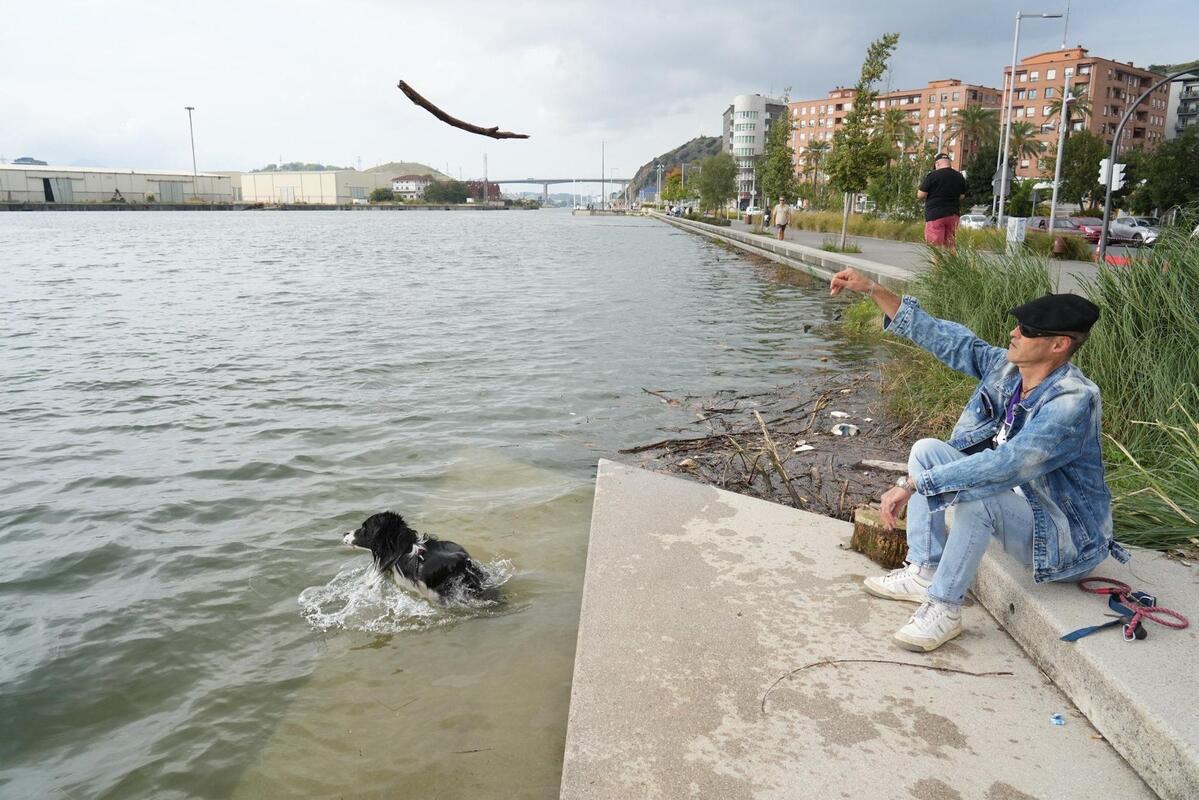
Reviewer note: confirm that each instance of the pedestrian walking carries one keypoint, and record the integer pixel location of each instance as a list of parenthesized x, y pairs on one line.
[(781, 216), (942, 191)]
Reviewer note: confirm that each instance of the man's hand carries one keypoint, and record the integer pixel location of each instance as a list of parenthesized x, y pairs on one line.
[(849, 279), (894, 501), (853, 280)]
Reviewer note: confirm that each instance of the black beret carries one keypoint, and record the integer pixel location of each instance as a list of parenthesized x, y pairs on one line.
[(1067, 313)]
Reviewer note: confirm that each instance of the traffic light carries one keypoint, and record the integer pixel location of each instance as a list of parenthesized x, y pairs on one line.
[(1104, 165), (1117, 177)]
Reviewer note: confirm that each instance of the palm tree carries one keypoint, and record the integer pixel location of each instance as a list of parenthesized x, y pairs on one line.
[(975, 126), (814, 157), (1080, 105), (1022, 141), (896, 130)]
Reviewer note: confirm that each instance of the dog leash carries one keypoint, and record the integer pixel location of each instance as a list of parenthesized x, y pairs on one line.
[(1130, 608)]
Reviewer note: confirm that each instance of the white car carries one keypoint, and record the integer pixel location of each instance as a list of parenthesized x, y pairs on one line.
[(976, 221)]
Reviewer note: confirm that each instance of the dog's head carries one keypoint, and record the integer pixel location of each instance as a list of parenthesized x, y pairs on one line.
[(386, 535)]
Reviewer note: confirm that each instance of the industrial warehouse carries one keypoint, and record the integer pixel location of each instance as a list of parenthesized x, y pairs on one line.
[(30, 183), (25, 183)]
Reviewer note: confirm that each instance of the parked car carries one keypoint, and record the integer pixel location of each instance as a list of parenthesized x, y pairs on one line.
[(976, 221), (1135, 230), (1061, 226), (1090, 227)]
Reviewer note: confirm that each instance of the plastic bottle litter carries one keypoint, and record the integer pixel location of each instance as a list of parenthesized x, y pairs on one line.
[(844, 429), (838, 415), (1057, 719)]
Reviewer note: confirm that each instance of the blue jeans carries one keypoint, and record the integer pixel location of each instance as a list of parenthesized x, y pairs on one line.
[(1006, 516)]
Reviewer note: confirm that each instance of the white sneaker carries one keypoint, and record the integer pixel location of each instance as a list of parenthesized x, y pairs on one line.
[(931, 626), (904, 583)]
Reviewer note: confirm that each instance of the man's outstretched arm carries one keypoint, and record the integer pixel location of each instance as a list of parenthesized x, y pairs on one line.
[(885, 299)]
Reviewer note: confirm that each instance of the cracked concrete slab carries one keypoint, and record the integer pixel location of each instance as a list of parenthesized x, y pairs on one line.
[(726, 649)]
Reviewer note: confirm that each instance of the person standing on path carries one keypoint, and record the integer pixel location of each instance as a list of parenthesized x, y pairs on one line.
[(781, 217), (942, 191), (1024, 464)]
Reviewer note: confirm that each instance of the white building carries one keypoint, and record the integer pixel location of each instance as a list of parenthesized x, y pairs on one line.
[(1182, 109), (746, 123), (341, 186), (24, 183), (411, 187)]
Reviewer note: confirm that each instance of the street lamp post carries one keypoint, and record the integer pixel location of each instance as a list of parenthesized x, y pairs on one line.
[(192, 133), (603, 190), (1063, 121), (1007, 129)]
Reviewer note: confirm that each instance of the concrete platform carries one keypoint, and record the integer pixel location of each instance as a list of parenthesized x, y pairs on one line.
[(1140, 695), (727, 650)]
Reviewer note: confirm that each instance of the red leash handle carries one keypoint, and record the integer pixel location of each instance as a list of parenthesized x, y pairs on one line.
[(1137, 601)]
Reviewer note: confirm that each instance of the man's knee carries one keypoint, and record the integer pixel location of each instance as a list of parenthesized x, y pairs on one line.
[(923, 453)]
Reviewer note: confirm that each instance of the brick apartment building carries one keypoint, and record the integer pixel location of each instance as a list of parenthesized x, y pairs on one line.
[(930, 111), (1111, 86)]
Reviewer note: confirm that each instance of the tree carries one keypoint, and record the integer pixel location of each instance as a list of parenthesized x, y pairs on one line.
[(672, 189), (857, 153), (980, 172), (778, 162), (1170, 173), (1080, 167), (976, 126), (1022, 142), (717, 181), (895, 128), (382, 195), (447, 192), (1080, 106)]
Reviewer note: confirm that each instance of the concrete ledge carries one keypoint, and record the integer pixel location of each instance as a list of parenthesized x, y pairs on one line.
[(727, 650), (811, 260), (1140, 695)]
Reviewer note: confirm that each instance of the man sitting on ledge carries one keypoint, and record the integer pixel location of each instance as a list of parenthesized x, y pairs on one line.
[(1024, 463)]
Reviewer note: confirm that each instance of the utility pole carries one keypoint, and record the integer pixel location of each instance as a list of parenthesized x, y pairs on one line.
[(603, 191), (192, 133), (658, 169)]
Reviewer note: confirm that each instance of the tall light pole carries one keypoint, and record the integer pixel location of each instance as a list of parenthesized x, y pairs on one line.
[(603, 190), (658, 169), (1007, 129), (1063, 121), (192, 133)]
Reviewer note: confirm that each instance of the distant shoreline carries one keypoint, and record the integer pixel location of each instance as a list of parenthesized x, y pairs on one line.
[(9, 206)]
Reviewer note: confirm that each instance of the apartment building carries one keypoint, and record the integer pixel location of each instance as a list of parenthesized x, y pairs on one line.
[(746, 123), (1183, 106), (1111, 86), (930, 111)]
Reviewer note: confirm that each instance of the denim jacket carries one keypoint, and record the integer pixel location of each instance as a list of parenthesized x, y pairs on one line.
[(1053, 452)]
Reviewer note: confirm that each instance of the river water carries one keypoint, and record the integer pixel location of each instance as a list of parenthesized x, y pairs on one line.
[(197, 405)]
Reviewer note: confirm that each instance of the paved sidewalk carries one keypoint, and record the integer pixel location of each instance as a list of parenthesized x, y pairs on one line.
[(726, 649), (906, 257)]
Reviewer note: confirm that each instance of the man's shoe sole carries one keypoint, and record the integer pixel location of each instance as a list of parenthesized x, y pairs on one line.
[(924, 645), (883, 593)]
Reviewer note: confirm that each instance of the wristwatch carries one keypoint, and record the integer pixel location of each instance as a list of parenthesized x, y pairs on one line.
[(904, 482)]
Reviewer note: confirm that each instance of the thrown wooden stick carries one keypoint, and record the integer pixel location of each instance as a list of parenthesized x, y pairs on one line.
[(494, 132)]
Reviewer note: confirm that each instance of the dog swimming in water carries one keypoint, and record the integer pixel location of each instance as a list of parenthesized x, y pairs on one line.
[(437, 569)]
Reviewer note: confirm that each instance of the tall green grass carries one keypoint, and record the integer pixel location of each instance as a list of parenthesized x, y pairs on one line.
[(1143, 354)]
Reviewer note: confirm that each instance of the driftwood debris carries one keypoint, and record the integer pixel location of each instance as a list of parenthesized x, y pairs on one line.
[(494, 132)]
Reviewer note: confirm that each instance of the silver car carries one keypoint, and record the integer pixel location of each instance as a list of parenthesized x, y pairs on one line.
[(1136, 230)]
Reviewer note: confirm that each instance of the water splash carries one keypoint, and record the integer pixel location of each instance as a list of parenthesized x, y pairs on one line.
[(359, 598)]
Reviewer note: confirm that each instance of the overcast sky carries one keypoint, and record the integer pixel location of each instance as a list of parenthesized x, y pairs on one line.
[(105, 83)]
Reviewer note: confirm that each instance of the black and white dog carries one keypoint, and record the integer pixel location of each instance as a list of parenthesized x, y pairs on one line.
[(437, 569)]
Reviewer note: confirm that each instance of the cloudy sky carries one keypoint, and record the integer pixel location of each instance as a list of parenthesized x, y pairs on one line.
[(105, 83)]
